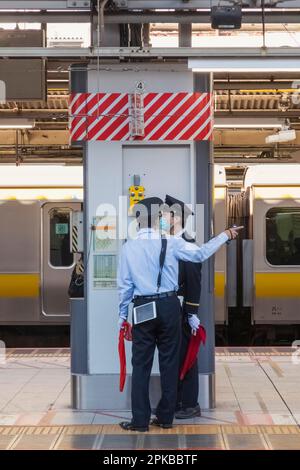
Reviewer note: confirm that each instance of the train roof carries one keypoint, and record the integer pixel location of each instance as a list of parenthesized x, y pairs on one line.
[(41, 176), (277, 174)]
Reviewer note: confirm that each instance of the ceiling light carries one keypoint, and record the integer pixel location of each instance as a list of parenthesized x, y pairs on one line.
[(286, 134), (248, 64), (247, 123), (16, 124)]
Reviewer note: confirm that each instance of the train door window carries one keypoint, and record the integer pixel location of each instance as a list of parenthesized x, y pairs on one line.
[(60, 255), (283, 236)]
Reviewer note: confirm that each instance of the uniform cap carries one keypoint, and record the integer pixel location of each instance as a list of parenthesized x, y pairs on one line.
[(148, 208), (178, 207)]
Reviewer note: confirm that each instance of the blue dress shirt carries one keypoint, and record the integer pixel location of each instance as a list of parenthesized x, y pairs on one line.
[(139, 264)]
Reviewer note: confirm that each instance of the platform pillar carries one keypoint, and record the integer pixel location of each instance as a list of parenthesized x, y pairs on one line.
[(204, 195)]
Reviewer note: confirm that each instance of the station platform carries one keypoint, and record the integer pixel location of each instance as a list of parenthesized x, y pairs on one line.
[(258, 406)]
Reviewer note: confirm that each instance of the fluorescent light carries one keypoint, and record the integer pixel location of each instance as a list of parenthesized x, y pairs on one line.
[(249, 69), (16, 124), (245, 64), (247, 123), (285, 135)]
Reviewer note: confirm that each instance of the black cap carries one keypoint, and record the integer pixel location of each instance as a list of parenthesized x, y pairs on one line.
[(148, 210), (178, 207)]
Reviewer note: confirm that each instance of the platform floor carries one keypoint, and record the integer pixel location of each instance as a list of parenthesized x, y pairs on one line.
[(258, 406)]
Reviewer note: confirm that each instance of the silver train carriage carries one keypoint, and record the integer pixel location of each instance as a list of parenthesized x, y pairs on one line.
[(271, 254), (36, 203)]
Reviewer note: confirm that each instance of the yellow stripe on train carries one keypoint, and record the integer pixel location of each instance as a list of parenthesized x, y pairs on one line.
[(277, 284), (219, 284), (19, 285)]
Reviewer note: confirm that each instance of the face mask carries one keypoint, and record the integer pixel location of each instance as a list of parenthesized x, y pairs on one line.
[(164, 225)]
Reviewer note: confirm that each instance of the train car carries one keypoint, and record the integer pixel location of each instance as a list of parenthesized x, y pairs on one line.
[(36, 202), (271, 254), (220, 221)]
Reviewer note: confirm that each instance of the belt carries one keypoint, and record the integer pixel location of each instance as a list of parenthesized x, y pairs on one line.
[(155, 296)]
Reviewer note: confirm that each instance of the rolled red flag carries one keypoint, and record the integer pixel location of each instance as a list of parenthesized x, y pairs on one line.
[(192, 352), (125, 333)]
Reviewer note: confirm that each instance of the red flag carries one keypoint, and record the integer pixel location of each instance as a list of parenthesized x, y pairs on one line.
[(125, 333), (192, 352)]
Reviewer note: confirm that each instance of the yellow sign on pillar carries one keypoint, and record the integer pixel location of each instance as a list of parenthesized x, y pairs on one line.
[(136, 194)]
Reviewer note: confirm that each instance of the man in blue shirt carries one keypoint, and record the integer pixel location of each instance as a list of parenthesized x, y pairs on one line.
[(138, 280)]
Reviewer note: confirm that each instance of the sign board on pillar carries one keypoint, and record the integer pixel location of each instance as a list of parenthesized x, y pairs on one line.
[(167, 116)]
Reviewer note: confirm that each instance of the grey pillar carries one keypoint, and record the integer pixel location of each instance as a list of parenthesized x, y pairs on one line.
[(79, 329), (185, 35), (110, 33), (204, 195)]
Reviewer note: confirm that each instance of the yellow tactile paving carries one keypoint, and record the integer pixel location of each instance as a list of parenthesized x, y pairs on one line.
[(280, 429), (10, 430), (111, 429), (83, 430), (42, 430), (228, 429), (226, 436), (220, 352)]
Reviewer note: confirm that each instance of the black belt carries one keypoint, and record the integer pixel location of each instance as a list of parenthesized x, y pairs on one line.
[(155, 296)]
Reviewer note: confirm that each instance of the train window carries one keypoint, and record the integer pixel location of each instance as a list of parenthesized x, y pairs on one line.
[(60, 255), (283, 236)]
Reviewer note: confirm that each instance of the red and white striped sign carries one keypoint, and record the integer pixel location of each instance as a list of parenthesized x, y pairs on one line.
[(167, 116)]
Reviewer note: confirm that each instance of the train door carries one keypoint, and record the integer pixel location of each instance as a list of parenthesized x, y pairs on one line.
[(276, 236), (220, 221), (57, 260)]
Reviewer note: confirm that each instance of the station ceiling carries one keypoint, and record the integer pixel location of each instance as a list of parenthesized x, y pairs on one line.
[(261, 95)]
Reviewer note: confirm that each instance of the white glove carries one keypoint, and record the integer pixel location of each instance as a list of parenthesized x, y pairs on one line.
[(120, 322), (194, 322)]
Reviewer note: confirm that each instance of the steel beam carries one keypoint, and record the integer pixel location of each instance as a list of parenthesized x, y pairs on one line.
[(139, 4), (45, 5), (35, 137), (47, 17), (277, 16), (61, 115), (199, 4), (280, 53)]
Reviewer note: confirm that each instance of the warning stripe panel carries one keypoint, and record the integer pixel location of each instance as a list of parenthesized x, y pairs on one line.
[(167, 116)]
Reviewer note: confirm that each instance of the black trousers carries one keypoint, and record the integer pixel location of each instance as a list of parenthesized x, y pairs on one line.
[(188, 388), (163, 332)]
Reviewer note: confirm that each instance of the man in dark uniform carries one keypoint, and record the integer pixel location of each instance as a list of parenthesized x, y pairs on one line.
[(148, 274), (190, 289)]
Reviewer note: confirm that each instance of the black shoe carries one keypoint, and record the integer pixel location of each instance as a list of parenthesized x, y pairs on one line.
[(129, 426), (155, 422), (187, 413)]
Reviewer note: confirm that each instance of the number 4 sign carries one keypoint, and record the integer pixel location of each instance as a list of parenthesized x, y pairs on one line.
[(140, 86)]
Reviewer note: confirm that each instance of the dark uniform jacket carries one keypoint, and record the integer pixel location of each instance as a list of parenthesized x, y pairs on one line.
[(190, 283)]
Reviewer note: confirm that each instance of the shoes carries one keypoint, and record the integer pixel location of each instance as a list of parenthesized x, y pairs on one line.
[(187, 413), (155, 422), (129, 426)]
